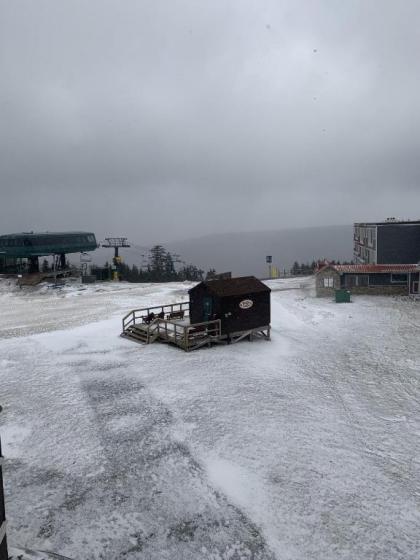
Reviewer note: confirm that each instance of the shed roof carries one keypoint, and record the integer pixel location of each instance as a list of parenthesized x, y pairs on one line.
[(234, 286), (370, 268)]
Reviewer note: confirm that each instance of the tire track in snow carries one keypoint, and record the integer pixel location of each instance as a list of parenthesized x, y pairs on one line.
[(167, 507)]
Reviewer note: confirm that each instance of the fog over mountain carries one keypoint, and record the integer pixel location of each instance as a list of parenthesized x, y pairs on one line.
[(244, 253)]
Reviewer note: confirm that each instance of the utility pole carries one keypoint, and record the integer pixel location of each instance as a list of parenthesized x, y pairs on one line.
[(115, 243), (269, 261)]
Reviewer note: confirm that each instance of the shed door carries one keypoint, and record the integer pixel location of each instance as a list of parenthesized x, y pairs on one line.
[(207, 308)]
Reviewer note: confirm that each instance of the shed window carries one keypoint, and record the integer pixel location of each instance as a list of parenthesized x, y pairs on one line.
[(399, 278), (328, 282)]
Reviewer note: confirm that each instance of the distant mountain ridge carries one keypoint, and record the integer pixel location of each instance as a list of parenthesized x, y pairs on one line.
[(244, 253)]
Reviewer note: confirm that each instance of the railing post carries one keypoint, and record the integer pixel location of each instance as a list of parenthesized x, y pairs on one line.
[(3, 540), (186, 338)]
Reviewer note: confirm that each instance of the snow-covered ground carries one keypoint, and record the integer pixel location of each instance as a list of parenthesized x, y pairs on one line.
[(305, 447)]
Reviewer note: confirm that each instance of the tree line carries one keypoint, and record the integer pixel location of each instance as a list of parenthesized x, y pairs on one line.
[(305, 269), (161, 267)]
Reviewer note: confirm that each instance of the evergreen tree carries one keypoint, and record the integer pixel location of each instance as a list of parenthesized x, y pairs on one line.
[(295, 268), (211, 274), (157, 263), (160, 268), (134, 274), (169, 268), (191, 273)]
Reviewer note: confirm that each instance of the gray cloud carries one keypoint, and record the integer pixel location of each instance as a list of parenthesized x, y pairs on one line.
[(162, 120)]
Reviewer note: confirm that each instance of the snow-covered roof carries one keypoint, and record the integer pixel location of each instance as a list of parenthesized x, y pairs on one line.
[(371, 268)]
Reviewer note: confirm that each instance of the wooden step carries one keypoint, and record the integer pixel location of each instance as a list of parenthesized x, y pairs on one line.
[(142, 329), (133, 338), (135, 335)]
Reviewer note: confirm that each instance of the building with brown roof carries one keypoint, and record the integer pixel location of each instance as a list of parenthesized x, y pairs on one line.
[(373, 279)]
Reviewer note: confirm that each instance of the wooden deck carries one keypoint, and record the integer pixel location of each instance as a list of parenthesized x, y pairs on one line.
[(153, 324), (169, 323)]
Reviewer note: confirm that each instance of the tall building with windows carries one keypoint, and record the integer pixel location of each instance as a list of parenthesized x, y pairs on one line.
[(390, 242)]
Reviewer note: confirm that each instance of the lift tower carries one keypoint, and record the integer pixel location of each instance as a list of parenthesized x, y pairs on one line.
[(116, 243)]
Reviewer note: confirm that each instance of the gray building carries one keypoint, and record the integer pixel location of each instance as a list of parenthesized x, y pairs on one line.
[(389, 242)]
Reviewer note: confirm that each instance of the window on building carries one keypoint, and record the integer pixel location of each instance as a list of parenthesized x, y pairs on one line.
[(363, 280), (399, 278), (328, 282), (352, 280)]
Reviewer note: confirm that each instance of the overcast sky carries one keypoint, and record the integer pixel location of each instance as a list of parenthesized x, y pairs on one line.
[(164, 120)]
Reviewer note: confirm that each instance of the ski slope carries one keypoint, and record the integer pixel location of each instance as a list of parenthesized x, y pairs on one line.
[(305, 447)]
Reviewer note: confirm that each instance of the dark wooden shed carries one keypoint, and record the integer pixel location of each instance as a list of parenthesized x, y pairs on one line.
[(241, 304)]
